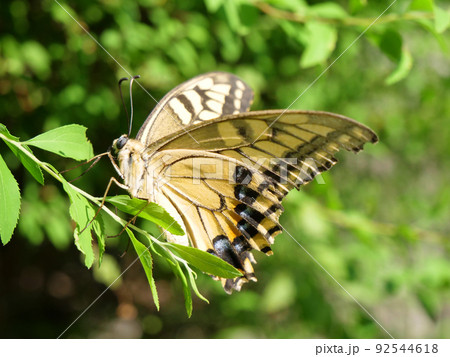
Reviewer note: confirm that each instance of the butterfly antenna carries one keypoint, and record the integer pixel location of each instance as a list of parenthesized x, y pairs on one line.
[(131, 103), (121, 97)]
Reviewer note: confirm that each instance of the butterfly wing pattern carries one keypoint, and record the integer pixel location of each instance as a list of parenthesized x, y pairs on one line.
[(205, 97), (224, 177)]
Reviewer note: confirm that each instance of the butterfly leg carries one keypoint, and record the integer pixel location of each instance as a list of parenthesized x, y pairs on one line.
[(132, 220), (112, 179), (116, 167)]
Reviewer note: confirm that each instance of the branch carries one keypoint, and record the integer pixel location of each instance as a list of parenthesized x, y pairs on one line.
[(347, 21)]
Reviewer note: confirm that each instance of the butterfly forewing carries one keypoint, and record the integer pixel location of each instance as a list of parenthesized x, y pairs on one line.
[(289, 147), (205, 97), (224, 171)]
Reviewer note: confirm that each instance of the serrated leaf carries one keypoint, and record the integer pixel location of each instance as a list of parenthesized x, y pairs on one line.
[(9, 202), (147, 263), (5, 132), (67, 141), (83, 241), (81, 212), (403, 68), (26, 161), (147, 210), (206, 262), (320, 41)]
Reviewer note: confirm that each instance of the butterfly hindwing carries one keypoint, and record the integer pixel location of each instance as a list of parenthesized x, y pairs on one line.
[(219, 203)]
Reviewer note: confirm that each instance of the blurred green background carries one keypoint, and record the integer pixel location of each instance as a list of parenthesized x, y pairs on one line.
[(378, 222)]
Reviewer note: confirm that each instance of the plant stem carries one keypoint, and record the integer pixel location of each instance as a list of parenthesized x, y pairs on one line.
[(59, 178), (347, 21)]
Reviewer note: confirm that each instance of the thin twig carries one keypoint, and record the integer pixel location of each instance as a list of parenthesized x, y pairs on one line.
[(346, 21)]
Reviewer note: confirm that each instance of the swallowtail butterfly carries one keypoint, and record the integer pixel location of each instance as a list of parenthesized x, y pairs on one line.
[(222, 171)]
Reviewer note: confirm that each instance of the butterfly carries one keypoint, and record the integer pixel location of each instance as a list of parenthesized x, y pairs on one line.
[(222, 171)]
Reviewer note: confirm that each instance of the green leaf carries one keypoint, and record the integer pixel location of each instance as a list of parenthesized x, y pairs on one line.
[(231, 46), (147, 263), (356, 5), (206, 262), (99, 229), (32, 167), (279, 293), (430, 302), (232, 14), (185, 54), (82, 213), (194, 286), (403, 68), (319, 41), (176, 268), (54, 223), (109, 273), (441, 19), (37, 58), (67, 141), (430, 26), (147, 210), (4, 131), (214, 5), (422, 5), (329, 10), (186, 291), (391, 44), (298, 6), (9, 202)]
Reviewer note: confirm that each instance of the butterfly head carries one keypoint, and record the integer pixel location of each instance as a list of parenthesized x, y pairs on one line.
[(119, 143)]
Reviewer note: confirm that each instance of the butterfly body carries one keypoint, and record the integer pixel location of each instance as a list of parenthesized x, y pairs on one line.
[(223, 171)]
